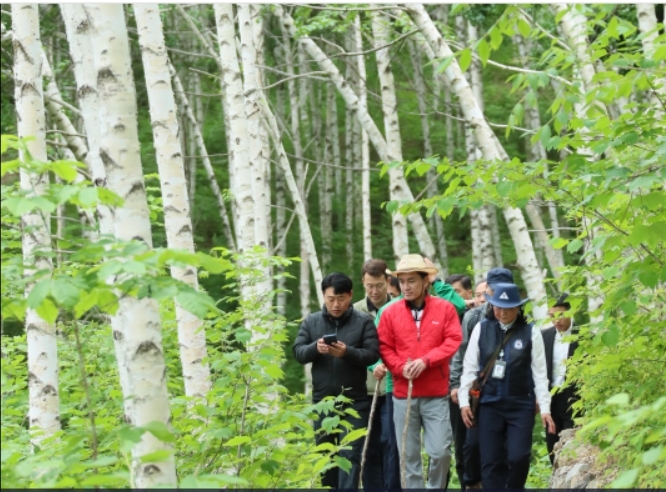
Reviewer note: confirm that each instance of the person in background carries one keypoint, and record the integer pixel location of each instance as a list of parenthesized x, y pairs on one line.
[(418, 335), (382, 467), (462, 284), (339, 367), (394, 286), (468, 459), (507, 404), (558, 349)]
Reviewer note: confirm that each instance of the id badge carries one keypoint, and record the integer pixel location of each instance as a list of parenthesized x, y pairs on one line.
[(499, 369)]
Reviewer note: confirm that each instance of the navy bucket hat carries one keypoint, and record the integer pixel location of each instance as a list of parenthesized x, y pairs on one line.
[(506, 295)]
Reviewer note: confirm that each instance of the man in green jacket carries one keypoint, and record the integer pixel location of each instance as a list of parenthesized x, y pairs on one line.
[(382, 466)]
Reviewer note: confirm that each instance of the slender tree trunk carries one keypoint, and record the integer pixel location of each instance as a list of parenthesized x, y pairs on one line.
[(391, 127), (43, 396), (205, 159), (647, 24), (355, 133), (140, 319), (326, 188), (530, 271), (177, 221), (420, 230), (365, 147)]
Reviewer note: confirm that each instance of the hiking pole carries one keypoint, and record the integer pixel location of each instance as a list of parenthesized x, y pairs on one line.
[(367, 437), (403, 464)]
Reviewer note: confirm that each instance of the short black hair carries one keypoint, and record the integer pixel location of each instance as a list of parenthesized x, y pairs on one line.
[(464, 280), (340, 282), (562, 301), (395, 282)]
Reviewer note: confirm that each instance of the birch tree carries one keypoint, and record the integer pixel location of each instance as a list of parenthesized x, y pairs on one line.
[(418, 225), (43, 396), (175, 201), (140, 321), (491, 150)]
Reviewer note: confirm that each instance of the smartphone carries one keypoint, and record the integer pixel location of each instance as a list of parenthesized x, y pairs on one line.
[(330, 339)]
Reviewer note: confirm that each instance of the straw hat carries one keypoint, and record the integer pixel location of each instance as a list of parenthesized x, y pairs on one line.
[(413, 263)]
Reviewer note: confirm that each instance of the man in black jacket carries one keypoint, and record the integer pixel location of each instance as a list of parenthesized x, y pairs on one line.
[(339, 367), (558, 350)]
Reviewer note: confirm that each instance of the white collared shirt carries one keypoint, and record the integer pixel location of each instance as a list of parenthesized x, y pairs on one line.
[(560, 354), (538, 366)]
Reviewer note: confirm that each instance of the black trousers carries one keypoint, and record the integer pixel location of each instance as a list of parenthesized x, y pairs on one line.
[(382, 465), (337, 478), (466, 449), (562, 416), (505, 441)]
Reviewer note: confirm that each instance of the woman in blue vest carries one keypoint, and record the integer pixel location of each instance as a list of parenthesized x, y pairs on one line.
[(516, 382)]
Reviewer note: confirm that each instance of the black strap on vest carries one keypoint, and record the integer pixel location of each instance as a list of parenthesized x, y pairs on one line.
[(493, 358)]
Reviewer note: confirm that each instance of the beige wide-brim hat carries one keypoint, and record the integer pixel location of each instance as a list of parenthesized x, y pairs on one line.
[(413, 263)]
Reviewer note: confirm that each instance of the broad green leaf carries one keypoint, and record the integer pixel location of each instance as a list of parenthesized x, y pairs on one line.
[(495, 38), (610, 337), (39, 292), (558, 242), (574, 245), (619, 399), (353, 435), (524, 28), (47, 311), (156, 456), (107, 301), (238, 440), (160, 430), (65, 170), (484, 51), (649, 279), (444, 64), (85, 304), (88, 197), (653, 455), (465, 59), (197, 303), (626, 479), (65, 293)]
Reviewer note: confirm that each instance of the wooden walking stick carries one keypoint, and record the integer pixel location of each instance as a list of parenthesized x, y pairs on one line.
[(403, 466), (367, 437)]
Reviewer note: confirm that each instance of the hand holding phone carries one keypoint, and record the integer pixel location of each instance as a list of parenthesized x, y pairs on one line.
[(330, 339)]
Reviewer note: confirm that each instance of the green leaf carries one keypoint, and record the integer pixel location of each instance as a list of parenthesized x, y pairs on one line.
[(38, 293), (495, 38), (626, 480), (197, 303), (465, 59), (156, 456), (484, 51), (504, 188), (392, 207), (524, 28), (85, 304), (160, 430), (353, 435), (558, 242), (619, 399), (649, 279), (107, 301), (653, 455), (65, 293), (575, 245), (65, 170), (610, 337), (235, 441), (47, 311), (88, 197), (444, 64), (212, 264)]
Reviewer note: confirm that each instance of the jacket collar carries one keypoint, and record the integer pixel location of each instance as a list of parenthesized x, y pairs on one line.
[(374, 309), (342, 319)]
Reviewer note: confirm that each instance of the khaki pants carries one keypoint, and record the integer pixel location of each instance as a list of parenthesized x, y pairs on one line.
[(431, 415)]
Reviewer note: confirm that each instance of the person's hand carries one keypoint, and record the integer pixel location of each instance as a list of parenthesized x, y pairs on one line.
[(537, 408), (467, 416), (337, 349), (432, 276), (322, 346), (548, 423), (413, 370), (379, 372), (454, 396)]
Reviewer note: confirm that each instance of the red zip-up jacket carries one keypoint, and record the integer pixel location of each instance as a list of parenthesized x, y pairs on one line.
[(436, 341)]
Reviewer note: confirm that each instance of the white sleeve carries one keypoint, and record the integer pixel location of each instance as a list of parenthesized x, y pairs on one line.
[(539, 371), (470, 366)]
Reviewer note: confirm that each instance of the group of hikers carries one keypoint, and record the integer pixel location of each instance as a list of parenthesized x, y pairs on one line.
[(444, 364)]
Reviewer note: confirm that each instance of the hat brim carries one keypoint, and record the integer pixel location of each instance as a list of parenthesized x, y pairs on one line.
[(426, 270), (505, 304)]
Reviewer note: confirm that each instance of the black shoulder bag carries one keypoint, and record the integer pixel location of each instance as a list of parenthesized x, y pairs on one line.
[(480, 381)]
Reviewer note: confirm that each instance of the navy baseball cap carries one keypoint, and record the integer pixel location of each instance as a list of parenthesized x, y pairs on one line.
[(498, 276)]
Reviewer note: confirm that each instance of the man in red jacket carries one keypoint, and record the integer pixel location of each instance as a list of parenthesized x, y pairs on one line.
[(418, 335)]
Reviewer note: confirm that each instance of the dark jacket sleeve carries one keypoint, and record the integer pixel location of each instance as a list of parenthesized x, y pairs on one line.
[(368, 353), (305, 348)]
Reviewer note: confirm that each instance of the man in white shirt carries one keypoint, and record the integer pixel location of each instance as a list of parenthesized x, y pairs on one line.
[(558, 349)]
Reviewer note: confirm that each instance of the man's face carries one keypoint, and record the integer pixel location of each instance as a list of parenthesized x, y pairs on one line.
[(506, 315), (412, 285), (391, 289), (337, 304), (375, 288), (560, 322), (481, 288), (462, 291)]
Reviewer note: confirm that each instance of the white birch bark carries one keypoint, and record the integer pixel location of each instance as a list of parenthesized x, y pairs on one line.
[(326, 184), (391, 128), (77, 27), (205, 159), (365, 146), (530, 271), (420, 231), (43, 396), (354, 152), (647, 24), (140, 319), (175, 201)]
